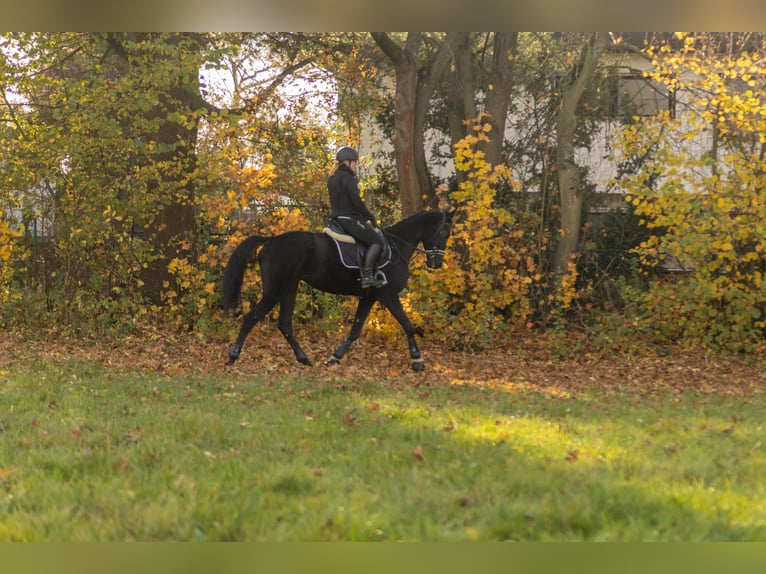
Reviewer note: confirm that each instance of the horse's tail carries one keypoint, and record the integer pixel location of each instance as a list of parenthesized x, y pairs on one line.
[(234, 273)]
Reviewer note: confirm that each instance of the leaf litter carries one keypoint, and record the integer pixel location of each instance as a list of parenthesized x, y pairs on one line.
[(527, 366)]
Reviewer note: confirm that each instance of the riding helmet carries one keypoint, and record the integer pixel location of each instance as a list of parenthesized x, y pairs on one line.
[(345, 153)]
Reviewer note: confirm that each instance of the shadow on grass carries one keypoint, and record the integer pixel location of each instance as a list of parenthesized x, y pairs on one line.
[(93, 454), (552, 469)]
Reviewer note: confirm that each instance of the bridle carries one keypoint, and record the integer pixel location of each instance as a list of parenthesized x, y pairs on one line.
[(426, 252)]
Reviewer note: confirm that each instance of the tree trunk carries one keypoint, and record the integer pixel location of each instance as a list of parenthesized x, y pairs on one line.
[(570, 193), (460, 96), (171, 227), (499, 89), (174, 226), (461, 92), (415, 84)]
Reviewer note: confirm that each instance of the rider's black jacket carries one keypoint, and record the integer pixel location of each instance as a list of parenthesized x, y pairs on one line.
[(344, 195)]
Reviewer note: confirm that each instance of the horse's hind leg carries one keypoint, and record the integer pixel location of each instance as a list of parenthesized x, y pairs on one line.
[(362, 312), (248, 322), (285, 324)]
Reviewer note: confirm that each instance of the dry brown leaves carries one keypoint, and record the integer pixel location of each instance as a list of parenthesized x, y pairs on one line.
[(526, 366)]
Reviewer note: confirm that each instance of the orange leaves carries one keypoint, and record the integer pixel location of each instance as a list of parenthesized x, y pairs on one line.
[(245, 188)]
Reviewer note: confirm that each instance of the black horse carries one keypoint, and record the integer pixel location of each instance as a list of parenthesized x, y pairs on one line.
[(288, 258)]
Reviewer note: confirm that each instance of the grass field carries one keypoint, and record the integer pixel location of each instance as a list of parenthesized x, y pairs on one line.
[(91, 453)]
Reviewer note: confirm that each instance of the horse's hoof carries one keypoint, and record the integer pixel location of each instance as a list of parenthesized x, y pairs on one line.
[(230, 362), (234, 352), (332, 361), (418, 366), (305, 361)]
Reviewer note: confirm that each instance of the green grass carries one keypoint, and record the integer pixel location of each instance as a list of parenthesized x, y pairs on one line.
[(91, 454)]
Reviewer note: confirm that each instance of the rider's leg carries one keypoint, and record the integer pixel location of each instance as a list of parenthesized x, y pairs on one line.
[(369, 278)]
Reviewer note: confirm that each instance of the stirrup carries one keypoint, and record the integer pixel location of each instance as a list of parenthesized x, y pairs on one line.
[(378, 279)]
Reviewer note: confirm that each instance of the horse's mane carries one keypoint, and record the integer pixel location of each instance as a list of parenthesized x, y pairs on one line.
[(420, 219)]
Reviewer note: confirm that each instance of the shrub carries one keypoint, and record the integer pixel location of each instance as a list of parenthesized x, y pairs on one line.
[(706, 208)]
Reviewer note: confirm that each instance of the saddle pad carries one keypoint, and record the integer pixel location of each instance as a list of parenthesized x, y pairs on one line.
[(351, 252)]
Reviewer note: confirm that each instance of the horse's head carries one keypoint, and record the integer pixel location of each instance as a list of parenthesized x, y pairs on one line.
[(436, 243)]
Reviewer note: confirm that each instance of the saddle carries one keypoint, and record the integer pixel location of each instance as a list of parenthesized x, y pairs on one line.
[(350, 251)]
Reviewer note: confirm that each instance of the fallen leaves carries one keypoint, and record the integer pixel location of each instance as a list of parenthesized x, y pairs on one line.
[(526, 367), (121, 466), (348, 418)]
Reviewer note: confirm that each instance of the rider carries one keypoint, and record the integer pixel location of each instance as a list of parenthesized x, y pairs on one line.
[(348, 209)]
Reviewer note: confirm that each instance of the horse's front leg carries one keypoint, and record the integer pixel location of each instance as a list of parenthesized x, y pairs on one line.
[(362, 312), (394, 305)]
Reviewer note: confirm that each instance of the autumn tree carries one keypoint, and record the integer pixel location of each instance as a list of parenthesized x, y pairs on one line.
[(418, 63), (700, 189), (482, 66), (105, 125), (102, 138), (166, 69), (283, 88)]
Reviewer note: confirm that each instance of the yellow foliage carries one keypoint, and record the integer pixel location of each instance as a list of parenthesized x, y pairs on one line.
[(568, 289), (7, 238), (483, 287), (707, 204)]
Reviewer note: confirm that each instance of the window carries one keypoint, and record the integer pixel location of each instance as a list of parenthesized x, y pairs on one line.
[(628, 93), (640, 96)]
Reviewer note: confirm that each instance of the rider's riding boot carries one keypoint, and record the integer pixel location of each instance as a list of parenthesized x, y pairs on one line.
[(369, 277)]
